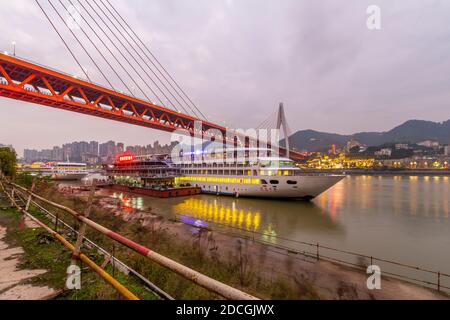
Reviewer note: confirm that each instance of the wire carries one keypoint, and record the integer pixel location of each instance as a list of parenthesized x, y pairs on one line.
[(267, 123), (151, 61), (95, 46), (132, 56), (112, 42), (143, 60), (93, 61), (107, 47), (126, 59), (65, 43), (154, 57)]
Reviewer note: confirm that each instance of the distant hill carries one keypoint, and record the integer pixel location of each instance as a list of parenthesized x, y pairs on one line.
[(412, 131)]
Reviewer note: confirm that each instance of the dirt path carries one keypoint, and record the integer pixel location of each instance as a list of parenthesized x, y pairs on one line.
[(12, 286)]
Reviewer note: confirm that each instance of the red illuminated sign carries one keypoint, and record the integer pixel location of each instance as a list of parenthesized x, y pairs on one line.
[(126, 158)]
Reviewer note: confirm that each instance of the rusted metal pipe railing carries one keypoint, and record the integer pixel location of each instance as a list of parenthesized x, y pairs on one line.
[(85, 259), (198, 278), (120, 264)]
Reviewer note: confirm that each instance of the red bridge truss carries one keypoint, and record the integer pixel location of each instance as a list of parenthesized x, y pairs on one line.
[(26, 81)]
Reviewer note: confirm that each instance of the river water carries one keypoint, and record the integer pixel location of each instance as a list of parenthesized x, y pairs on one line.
[(400, 218)]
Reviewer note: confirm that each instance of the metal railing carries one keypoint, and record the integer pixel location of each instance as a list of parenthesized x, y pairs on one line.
[(116, 263), (82, 257), (430, 278), (198, 278)]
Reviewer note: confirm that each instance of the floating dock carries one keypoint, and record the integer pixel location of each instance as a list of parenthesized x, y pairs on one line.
[(158, 193)]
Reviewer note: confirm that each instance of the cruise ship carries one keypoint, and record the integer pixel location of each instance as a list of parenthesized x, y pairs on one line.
[(65, 171), (265, 177)]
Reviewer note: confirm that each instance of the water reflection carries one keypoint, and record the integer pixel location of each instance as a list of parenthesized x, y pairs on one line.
[(128, 202), (265, 218), (210, 209), (414, 195), (395, 217)]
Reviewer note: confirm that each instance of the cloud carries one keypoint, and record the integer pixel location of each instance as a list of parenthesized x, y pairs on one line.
[(319, 58)]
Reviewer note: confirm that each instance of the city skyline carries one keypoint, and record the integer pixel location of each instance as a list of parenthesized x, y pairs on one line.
[(92, 152), (325, 81)]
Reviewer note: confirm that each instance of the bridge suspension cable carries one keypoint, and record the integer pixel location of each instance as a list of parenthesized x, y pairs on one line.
[(268, 123), (82, 46), (112, 54), (98, 50), (108, 16), (125, 44), (140, 44), (62, 39), (133, 66)]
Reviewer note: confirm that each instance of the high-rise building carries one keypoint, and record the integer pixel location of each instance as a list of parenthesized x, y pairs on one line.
[(120, 147), (93, 148), (93, 152), (108, 150)]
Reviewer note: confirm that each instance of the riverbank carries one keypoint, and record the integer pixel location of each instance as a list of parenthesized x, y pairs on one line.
[(256, 268), (33, 266), (376, 172)]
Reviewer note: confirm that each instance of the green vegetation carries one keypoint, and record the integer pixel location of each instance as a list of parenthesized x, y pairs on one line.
[(26, 180), (8, 162), (239, 270), (42, 251)]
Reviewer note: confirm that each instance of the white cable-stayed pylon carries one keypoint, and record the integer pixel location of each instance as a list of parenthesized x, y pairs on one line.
[(282, 122)]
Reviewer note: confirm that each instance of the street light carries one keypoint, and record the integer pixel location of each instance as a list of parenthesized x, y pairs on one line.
[(14, 48)]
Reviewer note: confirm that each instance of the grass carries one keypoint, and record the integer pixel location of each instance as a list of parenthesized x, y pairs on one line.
[(238, 270), (42, 251)]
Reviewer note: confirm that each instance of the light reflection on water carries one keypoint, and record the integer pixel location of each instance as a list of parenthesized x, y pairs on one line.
[(128, 202), (209, 209), (395, 217)]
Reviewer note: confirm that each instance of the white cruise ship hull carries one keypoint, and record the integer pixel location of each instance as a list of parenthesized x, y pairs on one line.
[(307, 187)]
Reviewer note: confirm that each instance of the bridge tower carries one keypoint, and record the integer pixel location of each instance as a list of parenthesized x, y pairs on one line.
[(283, 122)]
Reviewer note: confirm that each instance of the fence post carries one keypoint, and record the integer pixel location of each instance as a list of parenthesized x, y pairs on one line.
[(439, 282), (12, 196), (33, 186), (56, 221), (318, 257), (113, 261), (82, 225)]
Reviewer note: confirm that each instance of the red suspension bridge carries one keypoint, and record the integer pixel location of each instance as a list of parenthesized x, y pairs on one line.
[(30, 82)]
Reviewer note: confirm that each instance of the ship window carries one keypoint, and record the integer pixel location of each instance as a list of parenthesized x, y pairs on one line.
[(265, 164), (263, 181), (274, 182), (292, 182)]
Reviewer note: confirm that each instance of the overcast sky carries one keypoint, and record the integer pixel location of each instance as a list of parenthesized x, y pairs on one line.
[(238, 58)]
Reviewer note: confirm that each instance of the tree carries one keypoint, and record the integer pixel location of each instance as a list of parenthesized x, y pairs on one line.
[(8, 161)]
